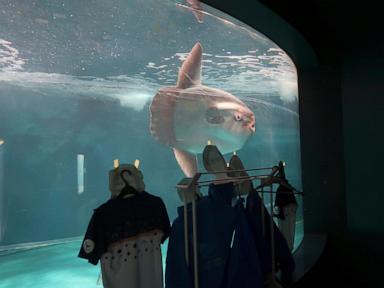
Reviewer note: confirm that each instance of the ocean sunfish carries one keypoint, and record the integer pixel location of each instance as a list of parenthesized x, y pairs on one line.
[(189, 114)]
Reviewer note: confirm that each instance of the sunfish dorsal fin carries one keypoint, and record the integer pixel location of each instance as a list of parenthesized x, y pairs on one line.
[(187, 162), (190, 71)]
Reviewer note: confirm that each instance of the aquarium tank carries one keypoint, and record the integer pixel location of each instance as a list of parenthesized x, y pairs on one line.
[(77, 81)]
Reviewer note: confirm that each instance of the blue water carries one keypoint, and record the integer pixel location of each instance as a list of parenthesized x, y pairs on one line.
[(78, 79)]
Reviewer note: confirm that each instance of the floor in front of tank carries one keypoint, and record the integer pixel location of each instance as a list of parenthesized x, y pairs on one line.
[(58, 266)]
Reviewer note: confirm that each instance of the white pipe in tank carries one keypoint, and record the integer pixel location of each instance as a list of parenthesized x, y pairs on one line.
[(80, 173)]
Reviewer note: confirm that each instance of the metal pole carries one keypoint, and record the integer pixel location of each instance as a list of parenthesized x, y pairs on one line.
[(194, 228), (262, 213), (235, 179), (238, 170), (272, 233), (186, 242)]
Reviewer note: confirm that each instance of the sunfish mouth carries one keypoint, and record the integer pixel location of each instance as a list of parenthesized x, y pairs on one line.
[(252, 126), (249, 122)]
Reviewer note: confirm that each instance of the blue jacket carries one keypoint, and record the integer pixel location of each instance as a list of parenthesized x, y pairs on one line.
[(215, 225), (228, 252), (283, 257), (244, 266)]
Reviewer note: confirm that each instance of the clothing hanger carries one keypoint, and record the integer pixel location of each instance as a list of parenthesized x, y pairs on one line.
[(118, 183), (268, 181), (238, 179), (265, 179), (128, 190)]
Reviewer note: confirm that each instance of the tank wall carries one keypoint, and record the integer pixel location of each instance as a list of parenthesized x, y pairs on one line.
[(78, 80)]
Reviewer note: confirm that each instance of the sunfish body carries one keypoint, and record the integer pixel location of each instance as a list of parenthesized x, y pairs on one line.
[(189, 114)]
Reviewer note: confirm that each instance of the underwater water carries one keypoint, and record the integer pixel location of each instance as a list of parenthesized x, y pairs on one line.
[(76, 84)]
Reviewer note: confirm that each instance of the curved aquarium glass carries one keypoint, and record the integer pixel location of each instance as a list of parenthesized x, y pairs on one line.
[(76, 85)]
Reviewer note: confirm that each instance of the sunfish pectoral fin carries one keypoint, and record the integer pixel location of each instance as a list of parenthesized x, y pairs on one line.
[(161, 117), (187, 162), (190, 71)]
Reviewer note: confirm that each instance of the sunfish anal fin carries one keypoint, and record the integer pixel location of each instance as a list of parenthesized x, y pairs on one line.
[(190, 71), (187, 162)]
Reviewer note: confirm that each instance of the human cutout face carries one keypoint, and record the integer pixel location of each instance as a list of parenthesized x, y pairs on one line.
[(134, 179), (214, 161)]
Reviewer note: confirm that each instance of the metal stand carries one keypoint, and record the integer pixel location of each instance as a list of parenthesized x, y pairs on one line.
[(194, 233), (188, 192), (272, 232)]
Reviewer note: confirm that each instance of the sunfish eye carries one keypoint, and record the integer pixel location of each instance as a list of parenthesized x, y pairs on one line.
[(238, 117)]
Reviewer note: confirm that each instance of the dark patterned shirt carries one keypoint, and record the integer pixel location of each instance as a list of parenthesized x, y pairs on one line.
[(122, 218)]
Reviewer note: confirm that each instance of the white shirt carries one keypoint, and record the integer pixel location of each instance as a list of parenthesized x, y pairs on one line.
[(134, 262)]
